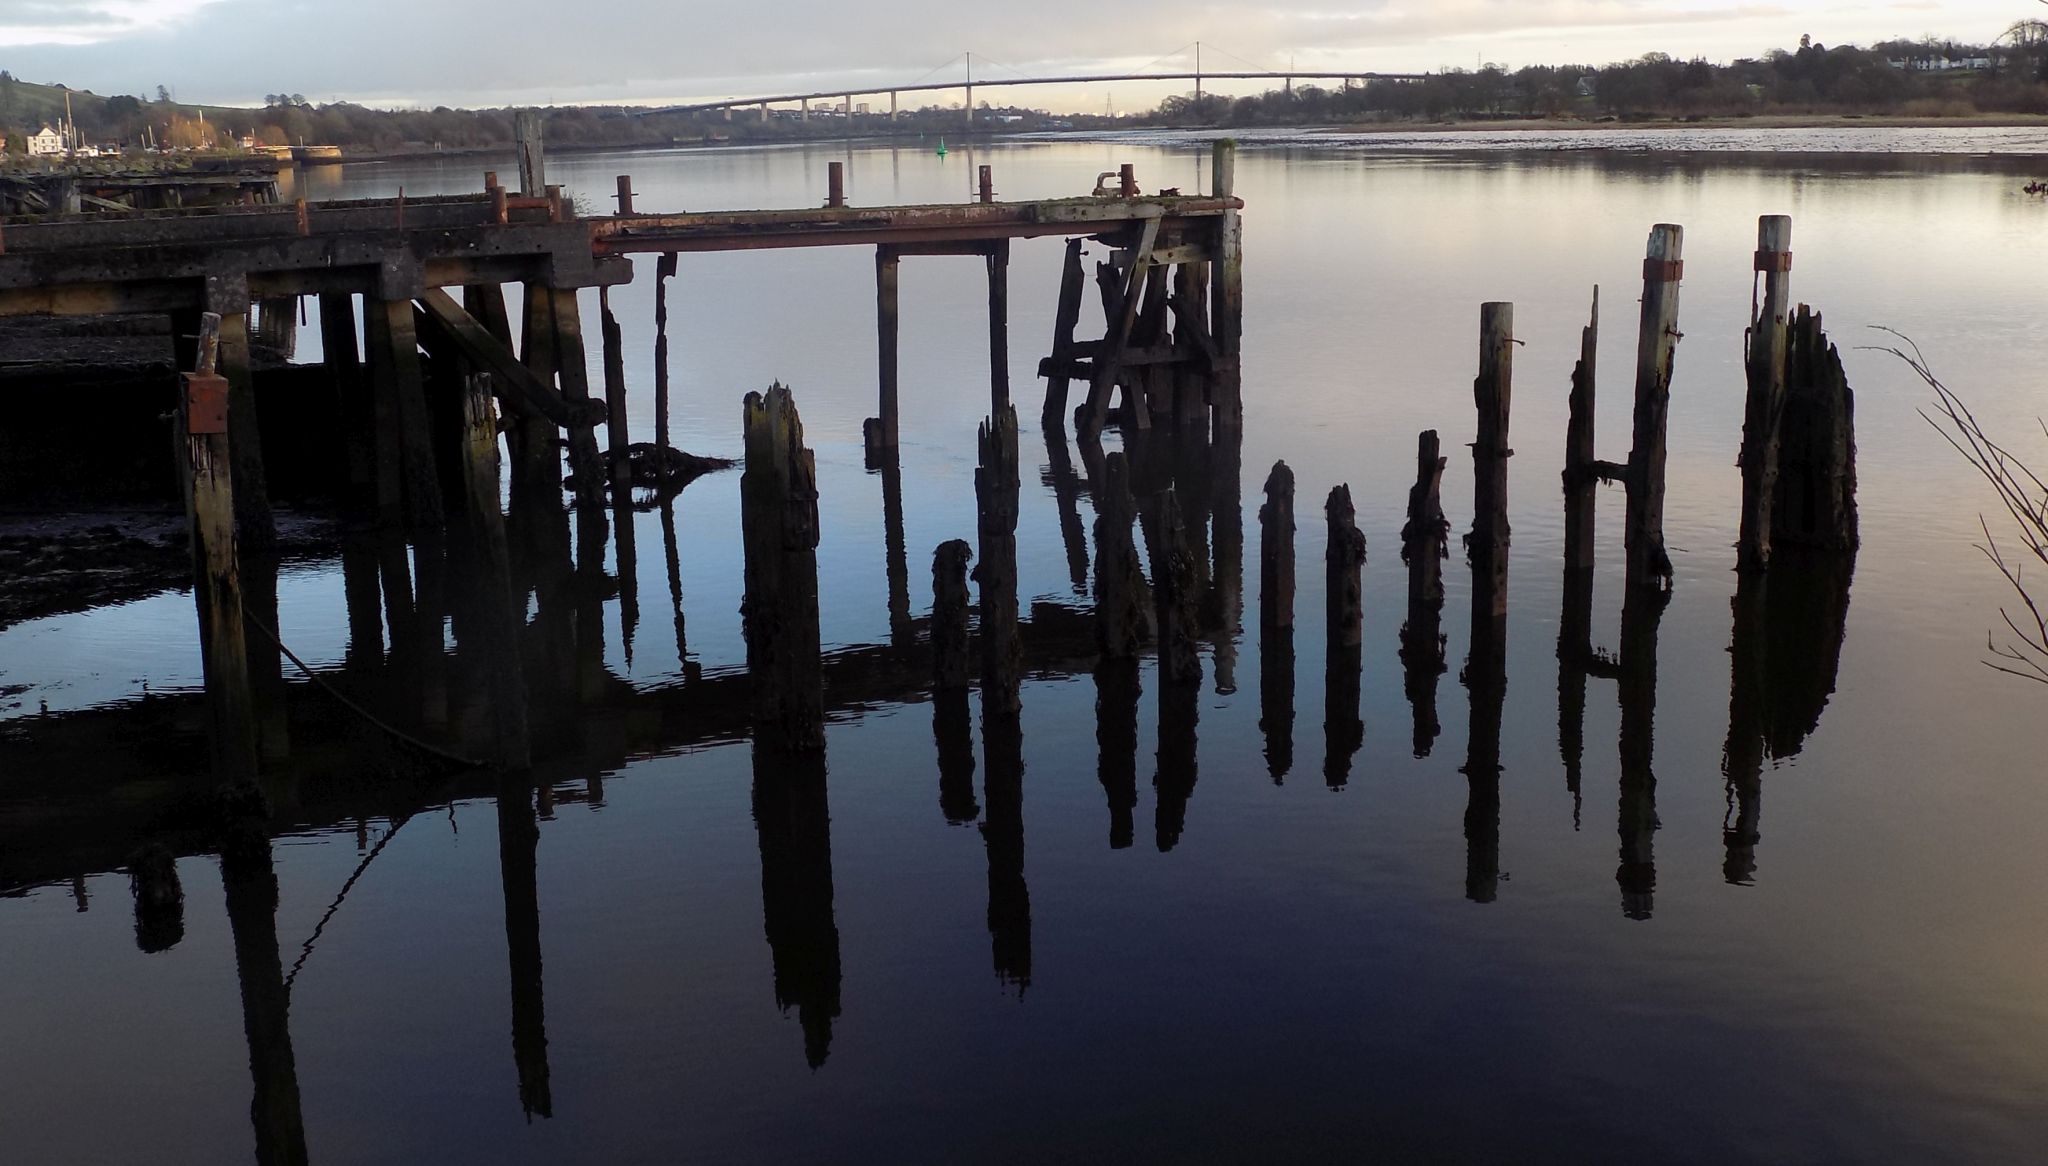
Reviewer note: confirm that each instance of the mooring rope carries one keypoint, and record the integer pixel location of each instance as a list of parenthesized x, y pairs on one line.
[(352, 706)]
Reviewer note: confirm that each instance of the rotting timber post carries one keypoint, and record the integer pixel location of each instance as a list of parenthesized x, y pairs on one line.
[(779, 519), (1656, 344)]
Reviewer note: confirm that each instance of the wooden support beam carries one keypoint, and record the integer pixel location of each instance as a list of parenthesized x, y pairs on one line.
[(256, 528), (340, 350), (1276, 550), (514, 381), (1226, 294), (1656, 344), (664, 270), (1344, 560), (1816, 502), (1067, 316), (996, 487), (1119, 336), (584, 462), (396, 364)]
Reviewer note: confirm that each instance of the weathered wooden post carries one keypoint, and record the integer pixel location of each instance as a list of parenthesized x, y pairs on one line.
[(999, 325), (881, 431), (664, 270), (1656, 344), (985, 184), (779, 521), (618, 439), (1344, 560), (1424, 541), (1770, 338), (1226, 293), (405, 449), (1175, 593), (996, 489), (533, 173), (499, 619), (1067, 316), (1276, 550), (586, 465), (203, 458), (625, 194), (1492, 393), (1581, 476), (835, 185), (949, 615), (1816, 488), (896, 559), (256, 526), (344, 363), (1121, 618)]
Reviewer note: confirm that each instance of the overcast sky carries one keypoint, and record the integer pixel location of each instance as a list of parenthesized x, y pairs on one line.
[(493, 52)]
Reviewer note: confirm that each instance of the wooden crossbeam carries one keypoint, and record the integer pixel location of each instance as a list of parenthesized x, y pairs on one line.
[(514, 382)]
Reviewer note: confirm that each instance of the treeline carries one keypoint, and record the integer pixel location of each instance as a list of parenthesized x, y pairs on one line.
[(1901, 78)]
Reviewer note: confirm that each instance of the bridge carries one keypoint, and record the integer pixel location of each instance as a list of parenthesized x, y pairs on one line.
[(845, 96)]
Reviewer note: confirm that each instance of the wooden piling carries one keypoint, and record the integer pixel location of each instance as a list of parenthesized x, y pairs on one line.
[(996, 496), (1581, 479), (1770, 338), (1066, 317), (1344, 560), (835, 185), (1226, 294), (1276, 550), (625, 194), (779, 524), (584, 461), (343, 358), (618, 439), (526, 131), (664, 270), (256, 527), (203, 459), (1426, 534), (1492, 393), (1656, 345), (949, 615), (999, 325), (985, 184), (405, 451), (882, 435), (1122, 619), (1816, 488), (537, 450), (1175, 595)]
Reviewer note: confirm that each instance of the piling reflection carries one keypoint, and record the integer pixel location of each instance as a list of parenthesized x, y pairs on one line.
[(793, 820), (1117, 689), (1789, 626), (1486, 682), (1002, 830), (1642, 612), (1276, 700), (518, 859), (896, 555), (250, 884), (953, 732), (1067, 489)]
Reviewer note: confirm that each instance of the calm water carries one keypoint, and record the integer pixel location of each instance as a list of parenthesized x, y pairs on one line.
[(679, 971)]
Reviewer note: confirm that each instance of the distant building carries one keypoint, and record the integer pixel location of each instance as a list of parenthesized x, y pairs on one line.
[(1940, 63), (47, 144)]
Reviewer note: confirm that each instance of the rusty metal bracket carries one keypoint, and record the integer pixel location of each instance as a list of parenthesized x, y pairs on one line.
[(1774, 261), (1663, 270), (206, 403)]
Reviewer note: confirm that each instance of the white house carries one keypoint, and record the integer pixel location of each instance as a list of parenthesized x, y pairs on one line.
[(47, 144)]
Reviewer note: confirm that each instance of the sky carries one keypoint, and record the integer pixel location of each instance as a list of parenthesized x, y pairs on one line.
[(498, 52)]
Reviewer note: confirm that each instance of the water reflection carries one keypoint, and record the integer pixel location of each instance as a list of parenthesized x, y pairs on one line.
[(518, 855), (250, 885), (793, 820)]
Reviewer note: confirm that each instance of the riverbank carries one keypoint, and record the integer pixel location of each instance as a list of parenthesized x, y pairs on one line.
[(1761, 122)]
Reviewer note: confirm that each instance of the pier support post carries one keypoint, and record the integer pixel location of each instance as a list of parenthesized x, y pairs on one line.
[(1656, 344), (500, 619), (1073, 282), (539, 458), (1770, 335), (882, 430), (999, 325), (584, 460), (1423, 548), (779, 521), (203, 457), (1226, 293), (256, 527), (533, 174), (1816, 489), (618, 439), (395, 364), (664, 270), (339, 350)]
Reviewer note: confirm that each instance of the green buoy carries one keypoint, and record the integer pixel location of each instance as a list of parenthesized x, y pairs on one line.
[(942, 147)]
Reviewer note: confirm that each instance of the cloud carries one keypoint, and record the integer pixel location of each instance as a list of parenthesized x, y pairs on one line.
[(537, 51)]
